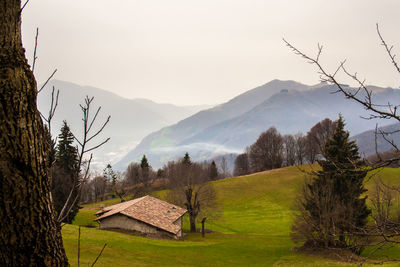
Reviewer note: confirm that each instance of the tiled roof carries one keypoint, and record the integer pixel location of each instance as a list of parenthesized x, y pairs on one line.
[(149, 210)]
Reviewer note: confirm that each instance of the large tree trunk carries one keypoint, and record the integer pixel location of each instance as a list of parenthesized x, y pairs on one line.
[(192, 220), (29, 234)]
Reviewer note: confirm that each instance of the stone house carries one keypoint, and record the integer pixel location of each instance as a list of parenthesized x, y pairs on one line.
[(147, 215)]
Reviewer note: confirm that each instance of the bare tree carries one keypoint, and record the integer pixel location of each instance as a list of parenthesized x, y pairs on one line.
[(132, 174), (139, 179), (289, 149), (242, 166), (316, 139), (190, 187), (301, 144), (224, 167), (385, 203), (99, 185), (116, 185), (84, 147), (267, 152)]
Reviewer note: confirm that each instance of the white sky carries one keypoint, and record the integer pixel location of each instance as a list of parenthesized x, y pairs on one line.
[(206, 51)]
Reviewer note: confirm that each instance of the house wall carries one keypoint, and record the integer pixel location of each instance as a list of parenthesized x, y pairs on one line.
[(119, 221), (179, 222)]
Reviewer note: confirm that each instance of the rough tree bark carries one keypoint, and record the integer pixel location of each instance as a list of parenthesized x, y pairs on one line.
[(29, 234), (192, 208)]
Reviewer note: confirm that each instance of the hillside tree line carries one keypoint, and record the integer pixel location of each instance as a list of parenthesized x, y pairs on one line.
[(273, 150)]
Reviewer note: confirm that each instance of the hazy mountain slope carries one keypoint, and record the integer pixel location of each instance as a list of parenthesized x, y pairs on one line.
[(131, 119), (366, 140), (237, 106), (163, 140), (290, 111)]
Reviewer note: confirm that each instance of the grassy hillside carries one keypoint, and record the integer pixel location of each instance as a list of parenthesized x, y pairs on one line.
[(253, 230)]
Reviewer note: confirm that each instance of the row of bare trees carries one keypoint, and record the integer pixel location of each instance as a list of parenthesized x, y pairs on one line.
[(138, 180), (273, 150)]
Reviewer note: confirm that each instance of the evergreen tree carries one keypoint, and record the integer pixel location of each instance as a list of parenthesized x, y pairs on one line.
[(145, 174), (110, 175), (144, 164), (67, 153), (333, 208), (213, 171), (186, 159), (65, 172), (113, 184), (160, 173), (111, 178)]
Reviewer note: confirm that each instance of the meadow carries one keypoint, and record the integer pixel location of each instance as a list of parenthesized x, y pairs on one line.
[(253, 230)]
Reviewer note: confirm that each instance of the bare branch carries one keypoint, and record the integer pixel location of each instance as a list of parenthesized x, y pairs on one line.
[(36, 41), (388, 50), (101, 129), (376, 143), (99, 145), (94, 119), (98, 256), (62, 215), (76, 139), (86, 175), (22, 8), (48, 79), (53, 107)]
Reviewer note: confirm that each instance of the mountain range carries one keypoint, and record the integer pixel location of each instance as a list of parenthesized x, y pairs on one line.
[(289, 106), (368, 142), (131, 119)]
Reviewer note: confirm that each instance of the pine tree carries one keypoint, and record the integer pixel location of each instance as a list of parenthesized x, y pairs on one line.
[(186, 159), (110, 175), (67, 153), (145, 175), (332, 206), (111, 178), (144, 164), (213, 171), (65, 172)]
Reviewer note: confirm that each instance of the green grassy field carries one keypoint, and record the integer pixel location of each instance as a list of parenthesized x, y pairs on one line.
[(253, 230)]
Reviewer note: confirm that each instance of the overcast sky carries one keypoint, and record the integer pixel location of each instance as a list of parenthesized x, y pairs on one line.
[(189, 52)]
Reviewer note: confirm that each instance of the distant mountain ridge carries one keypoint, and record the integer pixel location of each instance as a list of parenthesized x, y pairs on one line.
[(131, 119), (366, 140), (167, 139), (228, 128)]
